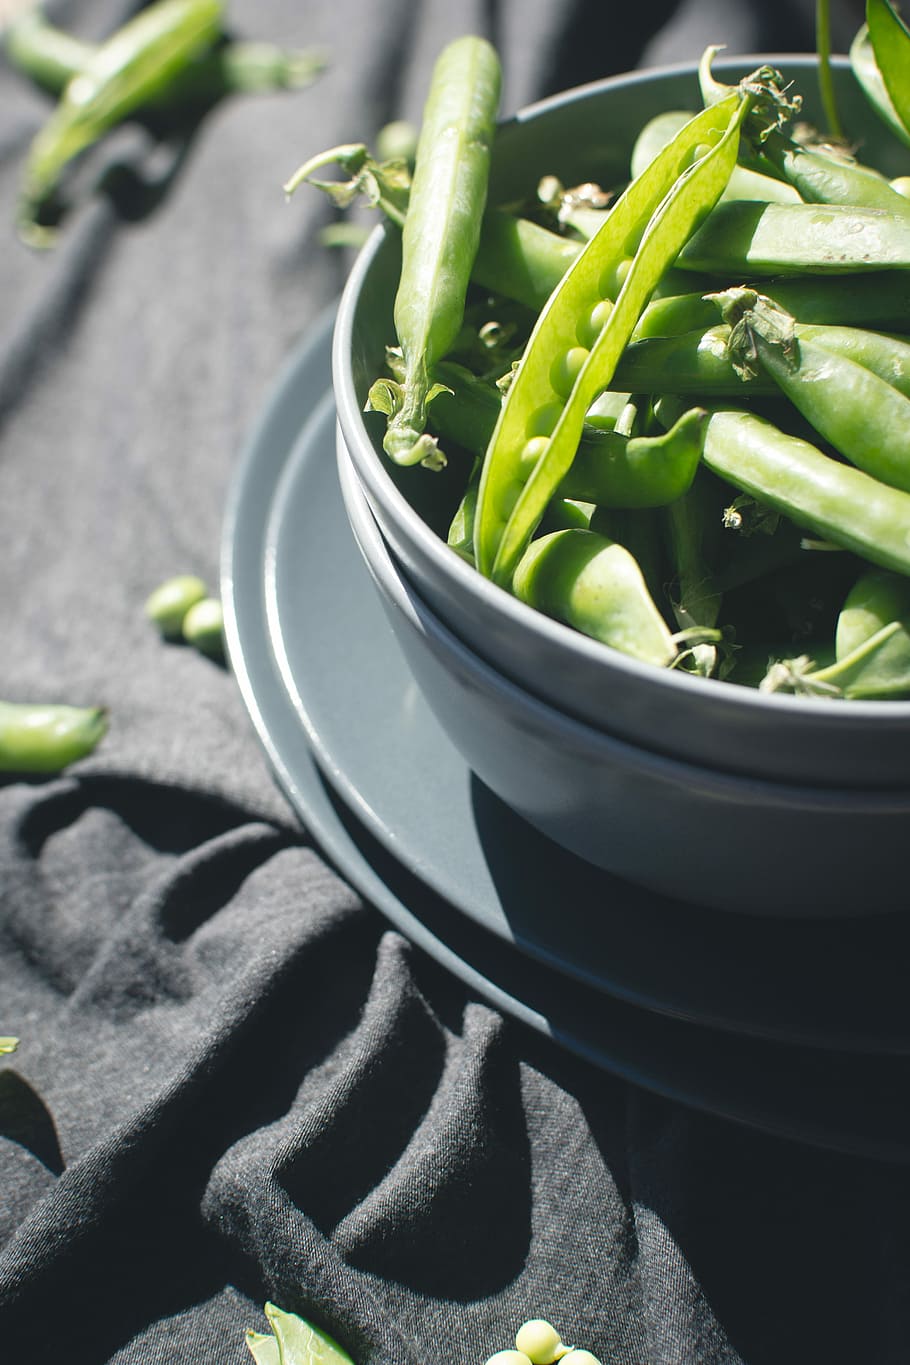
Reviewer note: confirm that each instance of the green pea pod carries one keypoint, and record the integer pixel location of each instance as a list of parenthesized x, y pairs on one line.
[(594, 585), (51, 57), (609, 468), (585, 325), (744, 182), (48, 55), (880, 299), (698, 362), (890, 41), (441, 232), (741, 240), (43, 738), (869, 77), (835, 501), (872, 644), (122, 75), (887, 356), (863, 416)]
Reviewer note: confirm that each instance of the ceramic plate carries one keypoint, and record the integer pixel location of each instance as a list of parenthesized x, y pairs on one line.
[(371, 777)]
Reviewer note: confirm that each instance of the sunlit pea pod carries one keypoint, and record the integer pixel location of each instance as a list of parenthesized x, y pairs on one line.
[(890, 39), (609, 468), (865, 417), (872, 643), (595, 585), (120, 76), (584, 327), (744, 182)]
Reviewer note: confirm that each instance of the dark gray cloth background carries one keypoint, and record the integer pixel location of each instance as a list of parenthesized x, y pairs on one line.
[(235, 1081)]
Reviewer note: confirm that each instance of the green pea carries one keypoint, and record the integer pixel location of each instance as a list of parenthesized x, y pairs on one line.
[(509, 1358), (167, 606), (540, 1341), (203, 627), (580, 1357)]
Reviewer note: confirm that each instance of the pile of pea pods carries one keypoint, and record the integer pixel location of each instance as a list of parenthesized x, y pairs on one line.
[(682, 409)]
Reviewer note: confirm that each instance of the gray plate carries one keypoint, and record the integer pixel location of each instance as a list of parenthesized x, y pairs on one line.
[(403, 820)]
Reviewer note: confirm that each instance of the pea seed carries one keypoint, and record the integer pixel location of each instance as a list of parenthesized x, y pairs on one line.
[(566, 369), (593, 325), (579, 1357), (544, 419), (902, 185), (203, 627), (540, 1341), (509, 1358), (531, 453), (169, 603)]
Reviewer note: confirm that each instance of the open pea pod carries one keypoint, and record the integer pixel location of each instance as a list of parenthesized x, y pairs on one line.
[(585, 325), (890, 39)]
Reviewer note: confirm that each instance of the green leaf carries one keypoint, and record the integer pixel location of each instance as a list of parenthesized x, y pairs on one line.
[(300, 1343), (890, 40)]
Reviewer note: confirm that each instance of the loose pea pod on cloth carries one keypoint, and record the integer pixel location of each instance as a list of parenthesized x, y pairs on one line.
[(51, 58), (585, 325), (120, 76), (866, 418), (37, 737), (440, 235)]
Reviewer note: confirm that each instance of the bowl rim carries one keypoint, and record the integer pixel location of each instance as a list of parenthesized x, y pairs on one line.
[(858, 713)]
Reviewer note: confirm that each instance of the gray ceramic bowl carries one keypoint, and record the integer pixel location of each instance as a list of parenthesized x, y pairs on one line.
[(734, 843), (588, 133)]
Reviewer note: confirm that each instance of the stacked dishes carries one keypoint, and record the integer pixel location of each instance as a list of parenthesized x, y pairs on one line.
[(703, 789)]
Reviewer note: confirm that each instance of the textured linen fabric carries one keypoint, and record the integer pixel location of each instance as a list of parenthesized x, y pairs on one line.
[(236, 1082)]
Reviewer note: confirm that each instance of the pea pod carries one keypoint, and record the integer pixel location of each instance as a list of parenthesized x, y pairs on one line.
[(820, 175), (863, 416), (890, 41), (584, 327), (741, 239), (698, 362), (880, 299), (51, 57), (122, 75), (835, 501), (869, 77), (744, 182), (43, 738), (609, 468), (441, 232), (872, 646), (594, 585)]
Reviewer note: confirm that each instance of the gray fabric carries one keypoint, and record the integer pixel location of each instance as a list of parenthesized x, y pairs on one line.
[(235, 1081)]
